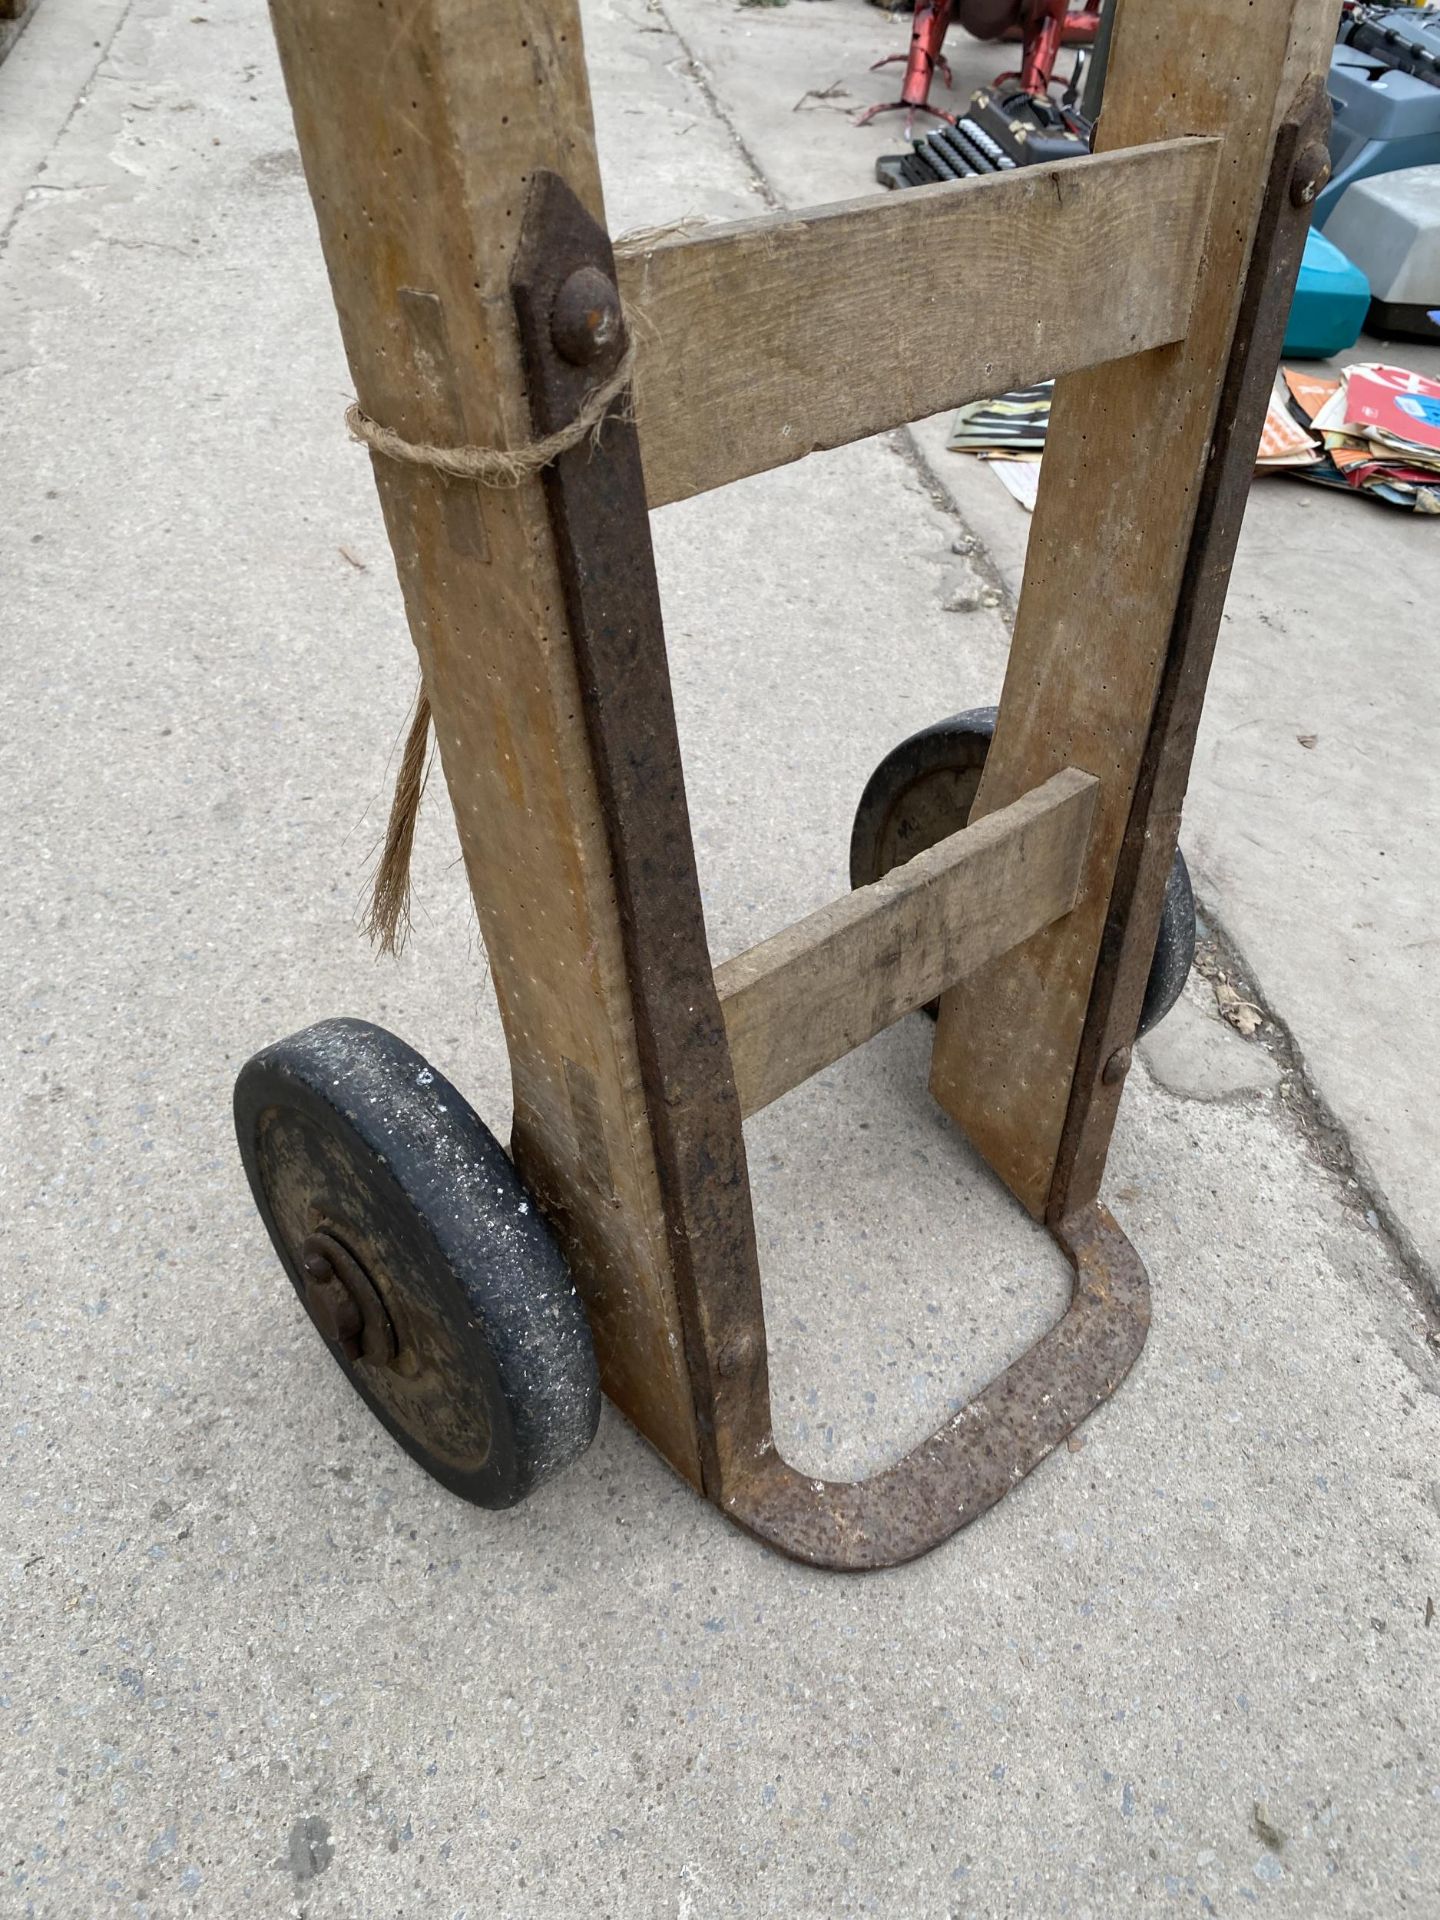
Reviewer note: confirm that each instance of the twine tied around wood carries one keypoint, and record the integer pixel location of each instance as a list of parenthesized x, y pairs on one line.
[(387, 918)]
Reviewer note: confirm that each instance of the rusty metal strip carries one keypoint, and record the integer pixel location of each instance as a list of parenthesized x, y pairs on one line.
[(984, 1450), (1128, 940), (596, 496)]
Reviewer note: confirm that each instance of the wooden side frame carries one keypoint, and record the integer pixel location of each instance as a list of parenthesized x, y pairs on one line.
[(419, 146)]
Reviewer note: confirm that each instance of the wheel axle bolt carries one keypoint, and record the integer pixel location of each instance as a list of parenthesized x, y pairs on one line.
[(341, 1300)]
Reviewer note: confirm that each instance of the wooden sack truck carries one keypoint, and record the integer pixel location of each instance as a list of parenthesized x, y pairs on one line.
[(450, 154)]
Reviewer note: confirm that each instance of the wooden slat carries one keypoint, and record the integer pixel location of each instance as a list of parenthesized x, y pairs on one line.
[(840, 976), (767, 339), (1127, 449)]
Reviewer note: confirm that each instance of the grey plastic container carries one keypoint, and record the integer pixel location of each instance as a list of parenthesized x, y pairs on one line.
[(1386, 117)]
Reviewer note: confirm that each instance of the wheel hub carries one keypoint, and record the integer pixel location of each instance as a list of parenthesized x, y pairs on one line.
[(344, 1302)]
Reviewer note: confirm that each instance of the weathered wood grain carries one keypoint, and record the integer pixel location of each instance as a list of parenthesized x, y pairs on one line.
[(1148, 848), (767, 339)]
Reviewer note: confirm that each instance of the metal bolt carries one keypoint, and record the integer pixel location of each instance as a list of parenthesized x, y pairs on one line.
[(1312, 170), (342, 1301), (1116, 1067), (585, 322)]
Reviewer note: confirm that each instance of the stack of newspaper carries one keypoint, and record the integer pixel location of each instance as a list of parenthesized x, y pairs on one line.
[(1368, 428), (1010, 432)]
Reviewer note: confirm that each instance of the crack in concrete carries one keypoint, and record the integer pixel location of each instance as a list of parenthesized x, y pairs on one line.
[(901, 441), (904, 443), (705, 87), (144, 246), (82, 94)]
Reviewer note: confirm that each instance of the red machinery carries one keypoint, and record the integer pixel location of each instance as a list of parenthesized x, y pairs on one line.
[(1041, 26)]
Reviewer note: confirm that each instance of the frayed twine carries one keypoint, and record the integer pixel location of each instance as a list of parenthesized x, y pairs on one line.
[(387, 919)]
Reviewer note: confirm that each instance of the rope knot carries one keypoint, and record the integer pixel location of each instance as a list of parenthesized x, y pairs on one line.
[(387, 919)]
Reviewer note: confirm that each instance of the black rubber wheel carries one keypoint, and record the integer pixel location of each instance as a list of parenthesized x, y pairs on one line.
[(924, 789), (420, 1257), (1174, 948)]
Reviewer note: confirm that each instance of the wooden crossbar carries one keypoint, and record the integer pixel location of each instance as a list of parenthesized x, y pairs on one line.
[(795, 1003), (764, 340)]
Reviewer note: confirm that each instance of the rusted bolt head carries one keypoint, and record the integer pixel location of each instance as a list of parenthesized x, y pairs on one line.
[(585, 322), (1116, 1067), (342, 1300), (1312, 170)]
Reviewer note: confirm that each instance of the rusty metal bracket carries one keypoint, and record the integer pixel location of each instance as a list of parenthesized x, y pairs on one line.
[(984, 1450), (596, 496), (572, 335)]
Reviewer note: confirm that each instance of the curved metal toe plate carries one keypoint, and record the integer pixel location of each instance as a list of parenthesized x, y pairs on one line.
[(982, 1451)]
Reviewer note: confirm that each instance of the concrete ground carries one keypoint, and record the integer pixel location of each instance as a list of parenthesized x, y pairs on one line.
[(250, 1659)]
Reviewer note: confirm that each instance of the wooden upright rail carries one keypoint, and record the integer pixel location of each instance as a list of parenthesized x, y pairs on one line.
[(1126, 453), (419, 140)]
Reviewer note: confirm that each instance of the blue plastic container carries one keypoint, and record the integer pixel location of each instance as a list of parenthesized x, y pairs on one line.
[(1331, 301)]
